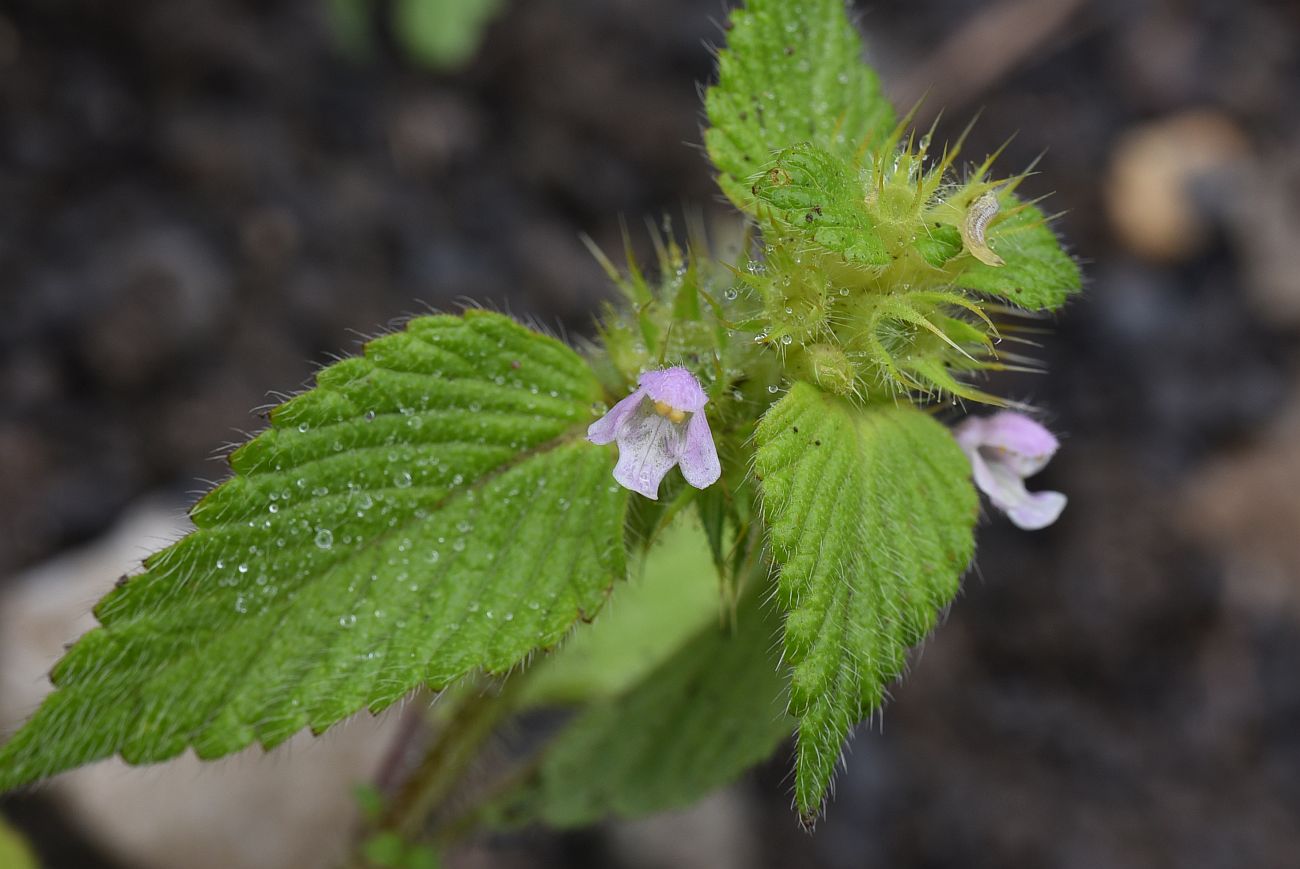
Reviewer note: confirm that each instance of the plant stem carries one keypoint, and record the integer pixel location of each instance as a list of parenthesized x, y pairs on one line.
[(441, 769)]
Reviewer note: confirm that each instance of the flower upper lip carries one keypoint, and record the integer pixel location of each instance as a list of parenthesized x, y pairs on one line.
[(659, 425), (675, 387)]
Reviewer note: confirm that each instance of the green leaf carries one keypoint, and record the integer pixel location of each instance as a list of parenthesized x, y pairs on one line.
[(1038, 274), (442, 34), (14, 852), (791, 73), (426, 511), (692, 724), (653, 616), (819, 196), (871, 513)]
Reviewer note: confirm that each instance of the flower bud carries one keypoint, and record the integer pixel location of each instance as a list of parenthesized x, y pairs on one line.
[(825, 365)]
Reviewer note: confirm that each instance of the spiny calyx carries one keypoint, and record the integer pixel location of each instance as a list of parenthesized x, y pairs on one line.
[(879, 267)]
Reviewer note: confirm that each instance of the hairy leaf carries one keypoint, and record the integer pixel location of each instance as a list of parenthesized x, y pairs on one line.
[(792, 72), (1038, 274), (426, 511), (692, 724), (871, 513), (819, 196)]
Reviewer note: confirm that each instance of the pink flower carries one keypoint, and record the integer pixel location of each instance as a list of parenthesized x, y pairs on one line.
[(1004, 449), (659, 425)]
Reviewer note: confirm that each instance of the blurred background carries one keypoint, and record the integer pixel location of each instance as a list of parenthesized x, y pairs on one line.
[(202, 200)]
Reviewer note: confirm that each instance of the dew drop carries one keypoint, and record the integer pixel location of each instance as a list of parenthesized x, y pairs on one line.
[(324, 538)]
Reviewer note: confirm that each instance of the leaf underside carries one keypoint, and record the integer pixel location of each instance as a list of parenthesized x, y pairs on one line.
[(659, 609), (871, 513), (427, 511), (692, 724), (791, 73)]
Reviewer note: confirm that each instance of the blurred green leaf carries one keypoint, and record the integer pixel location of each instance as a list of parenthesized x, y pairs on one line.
[(420, 857), (350, 23), (385, 849), (442, 34), (369, 801), (14, 852)]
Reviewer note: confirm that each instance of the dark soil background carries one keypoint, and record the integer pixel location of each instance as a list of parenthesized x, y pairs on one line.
[(201, 201)]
